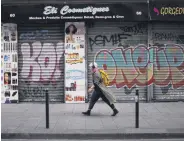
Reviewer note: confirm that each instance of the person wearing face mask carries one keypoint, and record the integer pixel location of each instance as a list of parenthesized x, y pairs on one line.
[(100, 91)]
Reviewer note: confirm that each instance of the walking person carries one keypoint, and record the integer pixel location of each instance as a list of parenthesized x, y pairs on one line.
[(99, 88)]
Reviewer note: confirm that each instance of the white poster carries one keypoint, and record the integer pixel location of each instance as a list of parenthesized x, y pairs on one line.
[(75, 65)]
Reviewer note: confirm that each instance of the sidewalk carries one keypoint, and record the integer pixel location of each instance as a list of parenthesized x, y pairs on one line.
[(66, 121)]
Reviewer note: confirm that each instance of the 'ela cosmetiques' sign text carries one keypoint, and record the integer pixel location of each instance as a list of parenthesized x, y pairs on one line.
[(67, 10)]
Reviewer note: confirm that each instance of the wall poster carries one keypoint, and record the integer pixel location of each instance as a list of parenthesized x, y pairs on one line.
[(9, 64), (75, 64)]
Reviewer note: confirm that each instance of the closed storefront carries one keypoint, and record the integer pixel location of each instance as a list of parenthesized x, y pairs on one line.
[(116, 39), (41, 61), (120, 48), (57, 42), (40, 53), (167, 42)]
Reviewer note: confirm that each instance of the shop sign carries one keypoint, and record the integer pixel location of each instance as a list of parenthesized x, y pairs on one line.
[(67, 10), (167, 11), (126, 11)]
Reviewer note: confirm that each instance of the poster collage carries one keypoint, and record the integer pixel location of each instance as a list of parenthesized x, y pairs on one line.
[(9, 64), (75, 81)]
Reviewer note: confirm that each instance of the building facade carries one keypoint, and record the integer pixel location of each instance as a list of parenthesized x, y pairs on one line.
[(140, 44)]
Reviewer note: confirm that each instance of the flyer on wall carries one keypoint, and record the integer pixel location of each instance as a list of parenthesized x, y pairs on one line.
[(2, 75), (9, 64), (75, 81)]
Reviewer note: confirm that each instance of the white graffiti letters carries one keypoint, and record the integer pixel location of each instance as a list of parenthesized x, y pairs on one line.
[(59, 53), (30, 66), (41, 61), (47, 61)]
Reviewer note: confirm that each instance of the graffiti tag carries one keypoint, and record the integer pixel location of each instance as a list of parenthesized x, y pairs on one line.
[(38, 34), (102, 40), (135, 66), (41, 62), (33, 91), (158, 36), (139, 28)]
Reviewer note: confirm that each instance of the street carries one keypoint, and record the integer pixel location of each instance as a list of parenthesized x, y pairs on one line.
[(157, 120)]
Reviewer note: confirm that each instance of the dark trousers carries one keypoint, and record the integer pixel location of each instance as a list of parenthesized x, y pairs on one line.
[(94, 98)]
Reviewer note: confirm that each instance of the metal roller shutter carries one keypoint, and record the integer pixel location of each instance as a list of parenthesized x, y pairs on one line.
[(41, 61), (105, 41), (168, 71)]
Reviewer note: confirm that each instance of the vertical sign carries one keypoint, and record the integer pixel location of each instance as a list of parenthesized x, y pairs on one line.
[(9, 64), (75, 65)]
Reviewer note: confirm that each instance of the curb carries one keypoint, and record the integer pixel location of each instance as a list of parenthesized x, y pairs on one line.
[(92, 136)]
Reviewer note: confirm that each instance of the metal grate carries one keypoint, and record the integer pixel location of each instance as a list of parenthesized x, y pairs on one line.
[(168, 60), (41, 61), (108, 36)]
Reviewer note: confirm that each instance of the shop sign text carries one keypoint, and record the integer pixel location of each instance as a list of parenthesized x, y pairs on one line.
[(67, 10)]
